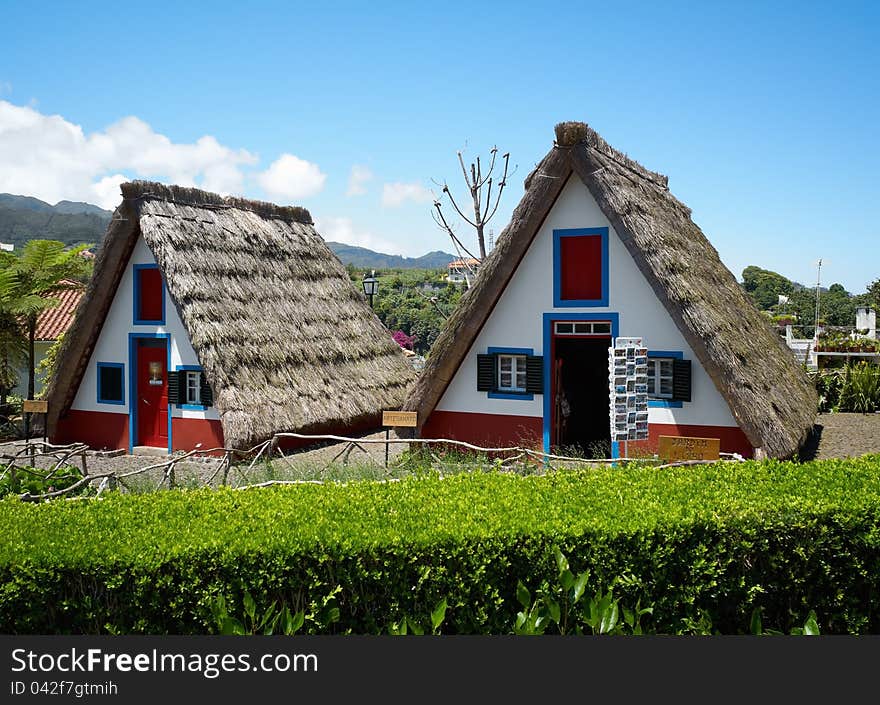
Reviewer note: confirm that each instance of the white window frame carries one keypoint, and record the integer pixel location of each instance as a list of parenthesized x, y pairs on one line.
[(517, 370), (194, 391), (582, 328), (656, 363)]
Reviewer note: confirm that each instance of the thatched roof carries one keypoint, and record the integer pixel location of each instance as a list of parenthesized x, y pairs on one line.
[(768, 393), (285, 340)]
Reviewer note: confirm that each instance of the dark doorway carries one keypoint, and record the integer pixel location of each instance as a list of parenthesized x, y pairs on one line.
[(581, 375)]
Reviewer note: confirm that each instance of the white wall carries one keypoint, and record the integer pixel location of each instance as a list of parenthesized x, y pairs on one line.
[(517, 320), (112, 345)]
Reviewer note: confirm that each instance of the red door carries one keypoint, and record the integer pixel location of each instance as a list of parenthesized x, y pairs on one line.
[(152, 394)]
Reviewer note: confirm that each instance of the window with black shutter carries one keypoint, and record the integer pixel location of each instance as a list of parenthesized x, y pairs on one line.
[(188, 387), (669, 378), (512, 373)]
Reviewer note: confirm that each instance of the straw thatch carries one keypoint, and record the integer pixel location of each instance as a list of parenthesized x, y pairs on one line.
[(768, 393), (284, 339)]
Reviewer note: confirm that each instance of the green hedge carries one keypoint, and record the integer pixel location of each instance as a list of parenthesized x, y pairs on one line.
[(694, 542)]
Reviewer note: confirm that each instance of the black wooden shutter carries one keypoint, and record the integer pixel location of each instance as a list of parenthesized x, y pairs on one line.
[(176, 390), (486, 373), (535, 374), (206, 394), (681, 380)]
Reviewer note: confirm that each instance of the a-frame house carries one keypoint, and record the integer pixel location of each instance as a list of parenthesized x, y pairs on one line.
[(598, 248)]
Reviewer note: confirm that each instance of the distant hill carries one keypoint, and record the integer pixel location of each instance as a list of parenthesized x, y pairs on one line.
[(363, 258), (24, 218)]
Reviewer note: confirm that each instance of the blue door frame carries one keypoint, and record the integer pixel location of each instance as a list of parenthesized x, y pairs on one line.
[(132, 382), (549, 320)]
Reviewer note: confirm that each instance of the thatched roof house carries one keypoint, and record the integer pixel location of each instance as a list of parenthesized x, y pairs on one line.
[(252, 300), (581, 183)]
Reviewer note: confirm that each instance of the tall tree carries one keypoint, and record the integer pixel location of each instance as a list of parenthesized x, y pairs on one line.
[(484, 202), (41, 270)]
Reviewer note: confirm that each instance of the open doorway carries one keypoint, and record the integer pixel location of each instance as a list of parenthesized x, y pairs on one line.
[(580, 391)]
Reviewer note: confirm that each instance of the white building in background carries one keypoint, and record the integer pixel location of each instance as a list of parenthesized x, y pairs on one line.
[(462, 270)]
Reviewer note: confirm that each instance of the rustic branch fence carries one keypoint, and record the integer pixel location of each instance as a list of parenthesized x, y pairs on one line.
[(505, 458)]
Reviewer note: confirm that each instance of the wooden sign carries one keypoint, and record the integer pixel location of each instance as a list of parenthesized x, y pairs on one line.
[(35, 406), (686, 448), (407, 419)]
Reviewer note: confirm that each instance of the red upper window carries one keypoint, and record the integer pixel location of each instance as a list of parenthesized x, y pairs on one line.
[(148, 295), (581, 267)]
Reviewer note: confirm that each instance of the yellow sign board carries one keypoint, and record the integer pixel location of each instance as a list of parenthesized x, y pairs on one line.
[(407, 419), (686, 448), (38, 406)]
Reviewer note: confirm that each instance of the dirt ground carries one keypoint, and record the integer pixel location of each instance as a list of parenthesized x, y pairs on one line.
[(843, 435)]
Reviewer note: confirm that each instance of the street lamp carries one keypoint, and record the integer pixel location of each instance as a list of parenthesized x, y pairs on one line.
[(371, 286)]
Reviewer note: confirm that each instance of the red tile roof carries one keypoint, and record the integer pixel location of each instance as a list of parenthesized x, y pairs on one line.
[(57, 320)]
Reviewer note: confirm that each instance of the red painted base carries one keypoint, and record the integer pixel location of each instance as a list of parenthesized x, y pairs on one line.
[(97, 429), (187, 433), (486, 430), (104, 431), (493, 430)]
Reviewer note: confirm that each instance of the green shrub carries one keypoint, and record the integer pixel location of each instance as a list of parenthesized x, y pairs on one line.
[(828, 385), (37, 481), (704, 545), (860, 391)]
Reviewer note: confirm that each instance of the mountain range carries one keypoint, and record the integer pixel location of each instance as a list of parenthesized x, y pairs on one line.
[(24, 218), (362, 258)]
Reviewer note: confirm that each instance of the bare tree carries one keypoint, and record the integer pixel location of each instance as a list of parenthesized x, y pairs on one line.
[(485, 203)]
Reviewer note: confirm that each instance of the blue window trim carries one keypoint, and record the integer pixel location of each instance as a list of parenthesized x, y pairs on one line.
[(190, 407), (558, 301), (132, 382), (665, 403), (549, 320), (121, 367), (137, 268), (521, 396)]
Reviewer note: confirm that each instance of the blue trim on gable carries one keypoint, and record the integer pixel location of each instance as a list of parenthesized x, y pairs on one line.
[(137, 296), (132, 382), (665, 403), (549, 318), (558, 301), (190, 368), (117, 365)]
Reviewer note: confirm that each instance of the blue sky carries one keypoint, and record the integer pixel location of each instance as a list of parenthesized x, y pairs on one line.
[(763, 115)]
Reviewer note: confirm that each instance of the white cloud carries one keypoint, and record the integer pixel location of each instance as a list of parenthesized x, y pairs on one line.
[(107, 193), (396, 194), (359, 176), (53, 159), (343, 230), (291, 177)]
